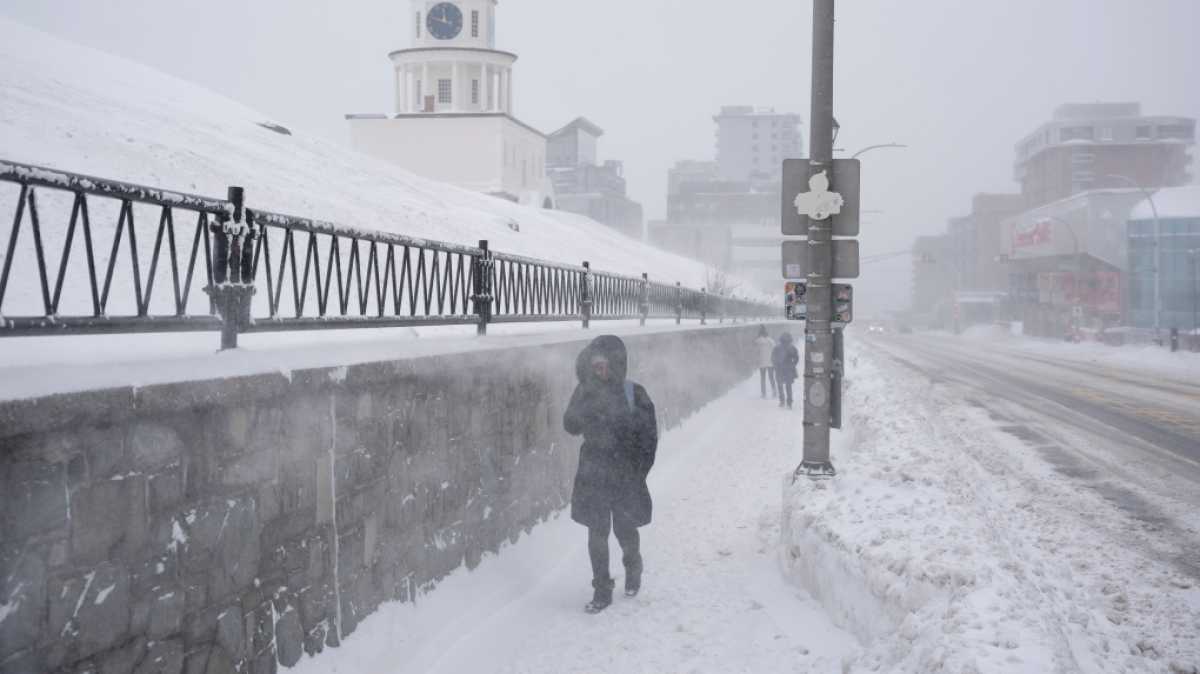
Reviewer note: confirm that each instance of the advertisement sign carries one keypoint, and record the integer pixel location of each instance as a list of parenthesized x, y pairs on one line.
[(795, 301), (1026, 234)]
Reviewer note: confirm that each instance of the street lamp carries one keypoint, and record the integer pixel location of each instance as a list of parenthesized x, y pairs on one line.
[(876, 147), (1157, 246)]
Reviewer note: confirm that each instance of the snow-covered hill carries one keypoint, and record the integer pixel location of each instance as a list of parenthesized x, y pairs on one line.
[(77, 109)]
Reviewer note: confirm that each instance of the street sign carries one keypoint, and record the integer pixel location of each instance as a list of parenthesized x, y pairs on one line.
[(843, 303), (845, 259), (795, 301), (846, 182)]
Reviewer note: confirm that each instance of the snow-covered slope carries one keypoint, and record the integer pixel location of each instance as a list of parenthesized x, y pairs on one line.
[(81, 110)]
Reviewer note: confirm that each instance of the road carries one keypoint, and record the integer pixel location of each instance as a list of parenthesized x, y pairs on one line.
[(1132, 436)]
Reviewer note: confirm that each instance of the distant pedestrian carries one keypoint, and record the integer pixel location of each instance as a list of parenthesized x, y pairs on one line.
[(766, 368), (785, 358), (620, 438)]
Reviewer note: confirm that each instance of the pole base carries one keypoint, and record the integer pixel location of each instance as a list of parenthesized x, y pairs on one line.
[(815, 470)]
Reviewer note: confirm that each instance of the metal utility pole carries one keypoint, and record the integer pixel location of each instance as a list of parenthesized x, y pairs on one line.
[(818, 342)]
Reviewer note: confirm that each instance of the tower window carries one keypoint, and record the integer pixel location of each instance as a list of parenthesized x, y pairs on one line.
[(444, 91), (418, 24), (475, 23), (475, 92)]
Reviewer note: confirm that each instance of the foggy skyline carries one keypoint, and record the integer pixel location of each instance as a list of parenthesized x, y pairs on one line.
[(960, 83)]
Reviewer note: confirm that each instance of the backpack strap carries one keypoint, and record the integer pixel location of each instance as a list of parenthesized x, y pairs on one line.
[(629, 394)]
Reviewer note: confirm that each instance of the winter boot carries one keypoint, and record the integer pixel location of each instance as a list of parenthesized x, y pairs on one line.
[(633, 574), (633, 584), (602, 597)]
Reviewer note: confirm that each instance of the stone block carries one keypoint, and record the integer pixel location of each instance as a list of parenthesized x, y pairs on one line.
[(231, 633), (289, 638), (223, 545), (166, 489), (35, 500), (316, 604), (162, 657), (212, 660), (153, 445), (254, 467), (105, 452), (108, 514), (23, 595), (122, 659), (88, 614), (166, 613), (23, 662), (265, 662)]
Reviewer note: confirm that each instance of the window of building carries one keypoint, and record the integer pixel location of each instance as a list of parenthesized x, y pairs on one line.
[(1106, 133), (418, 25), (1145, 133), (444, 88), (475, 92), (1176, 131), (475, 23), (1069, 133)]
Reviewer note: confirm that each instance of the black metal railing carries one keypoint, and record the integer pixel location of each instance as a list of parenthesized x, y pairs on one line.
[(263, 271)]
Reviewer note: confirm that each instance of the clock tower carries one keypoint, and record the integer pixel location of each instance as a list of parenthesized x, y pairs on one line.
[(453, 65), (453, 118)]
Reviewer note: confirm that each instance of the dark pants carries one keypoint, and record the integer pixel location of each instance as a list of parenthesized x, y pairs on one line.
[(785, 392), (627, 536), (765, 373)]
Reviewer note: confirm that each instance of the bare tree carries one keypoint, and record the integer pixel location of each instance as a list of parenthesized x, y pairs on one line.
[(718, 282)]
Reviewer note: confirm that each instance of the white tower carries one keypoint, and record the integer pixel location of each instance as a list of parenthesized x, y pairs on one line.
[(453, 118), (453, 65)]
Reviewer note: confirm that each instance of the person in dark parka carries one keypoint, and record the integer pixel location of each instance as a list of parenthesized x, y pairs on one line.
[(785, 357), (620, 438)]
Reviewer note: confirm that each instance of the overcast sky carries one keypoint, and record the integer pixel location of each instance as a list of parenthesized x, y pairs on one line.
[(960, 81)]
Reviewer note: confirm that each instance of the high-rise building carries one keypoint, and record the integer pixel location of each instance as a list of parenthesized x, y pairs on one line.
[(586, 186), (753, 142), (1085, 144)]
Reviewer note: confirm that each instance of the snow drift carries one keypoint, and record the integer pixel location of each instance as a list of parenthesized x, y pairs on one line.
[(77, 109)]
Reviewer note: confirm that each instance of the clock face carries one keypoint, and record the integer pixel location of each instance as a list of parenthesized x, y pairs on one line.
[(444, 21)]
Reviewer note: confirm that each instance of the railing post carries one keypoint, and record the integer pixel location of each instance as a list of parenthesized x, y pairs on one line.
[(678, 303), (704, 306), (585, 294), (233, 269), (481, 292), (644, 298)]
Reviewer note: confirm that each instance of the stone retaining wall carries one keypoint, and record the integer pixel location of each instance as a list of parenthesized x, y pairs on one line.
[(234, 525)]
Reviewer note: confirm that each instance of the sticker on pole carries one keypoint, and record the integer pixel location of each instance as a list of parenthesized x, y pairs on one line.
[(819, 203)]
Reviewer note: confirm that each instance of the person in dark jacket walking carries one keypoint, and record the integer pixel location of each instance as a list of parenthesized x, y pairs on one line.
[(785, 358), (620, 438)]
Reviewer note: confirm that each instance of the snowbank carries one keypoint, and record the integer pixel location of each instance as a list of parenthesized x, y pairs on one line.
[(946, 547), (1181, 365), (77, 109)]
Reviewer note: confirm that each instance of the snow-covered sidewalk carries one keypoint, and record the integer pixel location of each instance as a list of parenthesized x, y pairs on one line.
[(714, 596), (947, 544)]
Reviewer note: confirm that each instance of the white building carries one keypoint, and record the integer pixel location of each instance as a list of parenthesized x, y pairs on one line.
[(454, 108), (753, 142)]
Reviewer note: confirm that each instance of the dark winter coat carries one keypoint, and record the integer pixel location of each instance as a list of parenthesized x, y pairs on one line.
[(785, 358), (619, 443)]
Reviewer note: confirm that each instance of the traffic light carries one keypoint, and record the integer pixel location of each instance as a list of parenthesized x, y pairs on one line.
[(843, 303)]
